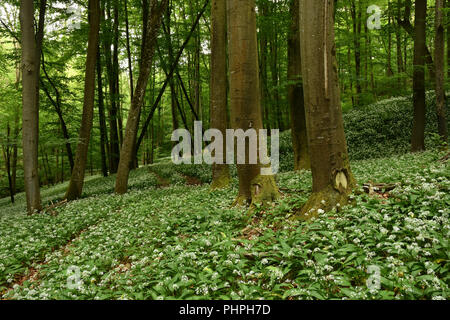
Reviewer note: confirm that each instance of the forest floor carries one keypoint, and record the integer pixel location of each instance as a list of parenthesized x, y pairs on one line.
[(169, 237)]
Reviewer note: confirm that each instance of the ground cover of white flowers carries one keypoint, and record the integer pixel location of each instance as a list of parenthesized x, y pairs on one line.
[(169, 239)]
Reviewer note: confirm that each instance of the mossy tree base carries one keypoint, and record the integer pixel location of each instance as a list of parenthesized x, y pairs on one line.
[(323, 201), (263, 191), (335, 195)]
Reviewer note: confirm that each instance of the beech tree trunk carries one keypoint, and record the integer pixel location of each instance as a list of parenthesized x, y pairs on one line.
[(295, 93), (273, 50), (16, 125), (439, 54), (398, 36), (418, 131), (6, 148), (356, 17), (77, 179), (114, 149), (218, 88), (332, 177), (30, 107), (166, 82), (245, 98), (448, 39), (101, 116), (157, 9), (410, 29), (173, 91), (59, 111), (263, 44)]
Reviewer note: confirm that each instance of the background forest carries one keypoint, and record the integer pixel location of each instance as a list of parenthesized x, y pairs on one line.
[(137, 226), (373, 65)]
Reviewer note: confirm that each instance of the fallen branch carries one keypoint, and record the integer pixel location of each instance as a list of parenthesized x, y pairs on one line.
[(380, 188), (51, 208)]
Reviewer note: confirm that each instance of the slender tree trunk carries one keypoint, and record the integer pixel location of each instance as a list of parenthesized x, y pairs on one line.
[(30, 111), (295, 93), (398, 37), (218, 87), (145, 13), (116, 74), (273, 48), (58, 108), (62, 167), (173, 92), (14, 154), (101, 116), (439, 49), (46, 175), (332, 177), (448, 39), (7, 158), (56, 165), (389, 71), (130, 65), (418, 131), (157, 9), (265, 97), (410, 29), (166, 82), (77, 179), (114, 149), (356, 17), (16, 132), (245, 98)]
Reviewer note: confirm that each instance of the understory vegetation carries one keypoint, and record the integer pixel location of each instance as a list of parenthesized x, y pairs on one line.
[(380, 130), (171, 238), (101, 98)]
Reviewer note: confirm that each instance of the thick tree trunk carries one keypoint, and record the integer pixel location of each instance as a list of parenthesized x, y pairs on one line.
[(30, 111), (332, 178), (245, 98), (218, 87), (295, 93), (156, 11), (77, 179), (439, 53), (418, 131)]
